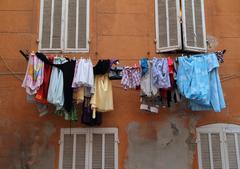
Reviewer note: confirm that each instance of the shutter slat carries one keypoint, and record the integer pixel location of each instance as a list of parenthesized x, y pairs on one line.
[(173, 23), (80, 151), (46, 24), (194, 25), (109, 151), (97, 151), (56, 39), (216, 151), (206, 164), (168, 25), (231, 147), (199, 24), (82, 28), (71, 32), (68, 151)]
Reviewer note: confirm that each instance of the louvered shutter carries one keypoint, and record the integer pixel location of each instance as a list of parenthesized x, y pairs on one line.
[(81, 152), (104, 150), (194, 31), (50, 25), (74, 155), (210, 151), (232, 151), (76, 24), (109, 156), (97, 151), (168, 28), (67, 160)]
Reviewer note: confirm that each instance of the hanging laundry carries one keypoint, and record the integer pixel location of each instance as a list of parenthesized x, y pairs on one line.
[(68, 69), (55, 90), (87, 114), (42, 92), (80, 93), (131, 77), (102, 67), (198, 80), (83, 75), (102, 99), (34, 75), (160, 73)]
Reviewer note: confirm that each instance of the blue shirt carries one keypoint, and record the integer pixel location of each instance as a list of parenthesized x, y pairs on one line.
[(198, 81)]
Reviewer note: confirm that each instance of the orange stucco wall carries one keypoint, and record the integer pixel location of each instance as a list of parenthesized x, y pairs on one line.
[(121, 29)]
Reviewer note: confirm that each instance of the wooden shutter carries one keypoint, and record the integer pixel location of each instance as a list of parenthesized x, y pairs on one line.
[(97, 151), (67, 161), (232, 156), (74, 154), (194, 31), (109, 156), (81, 152), (77, 24), (104, 149), (50, 25), (168, 31), (210, 151)]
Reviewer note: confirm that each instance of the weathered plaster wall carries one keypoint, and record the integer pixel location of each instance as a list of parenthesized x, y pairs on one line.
[(166, 145), (123, 29)]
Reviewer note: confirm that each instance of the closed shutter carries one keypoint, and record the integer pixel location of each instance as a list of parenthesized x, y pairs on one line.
[(74, 154), (81, 152), (194, 31), (76, 24), (168, 29), (97, 151), (50, 24), (67, 152), (232, 151), (210, 151), (109, 157)]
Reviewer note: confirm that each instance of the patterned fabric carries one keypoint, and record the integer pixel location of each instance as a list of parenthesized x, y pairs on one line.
[(220, 55), (131, 78), (34, 75), (160, 73), (198, 81)]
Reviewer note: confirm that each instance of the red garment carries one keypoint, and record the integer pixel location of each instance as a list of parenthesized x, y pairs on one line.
[(42, 92)]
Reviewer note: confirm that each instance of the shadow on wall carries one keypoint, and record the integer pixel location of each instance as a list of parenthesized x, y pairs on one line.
[(158, 145), (26, 146)]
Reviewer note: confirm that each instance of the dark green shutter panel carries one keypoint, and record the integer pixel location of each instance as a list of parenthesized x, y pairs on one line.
[(168, 25), (194, 31)]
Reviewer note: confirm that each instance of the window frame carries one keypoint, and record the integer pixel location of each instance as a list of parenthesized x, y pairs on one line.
[(221, 129), (169, 48), (64, 21), (181, 31), (89, 136)]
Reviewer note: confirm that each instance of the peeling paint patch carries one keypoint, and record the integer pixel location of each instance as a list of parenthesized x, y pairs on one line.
[(26, 146), (158, 145)]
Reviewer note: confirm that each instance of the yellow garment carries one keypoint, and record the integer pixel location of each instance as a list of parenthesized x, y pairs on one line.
[(78, 95), (102, 100)]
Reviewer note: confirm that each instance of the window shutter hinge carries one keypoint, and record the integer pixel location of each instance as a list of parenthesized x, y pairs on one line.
[(117, 141)]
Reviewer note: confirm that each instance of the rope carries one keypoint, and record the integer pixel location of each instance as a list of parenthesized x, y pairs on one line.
[(13, 73)]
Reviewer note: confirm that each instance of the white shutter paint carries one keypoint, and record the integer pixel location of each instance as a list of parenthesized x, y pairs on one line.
[(194, 31), (64, 25), (67, 152), (168, 29), (81, 159), (109, 151), (97, 151), (205, 151), (231, 151), (94, 148)]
